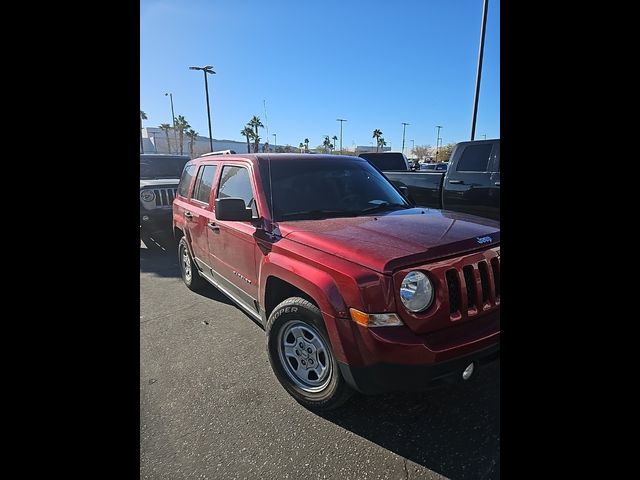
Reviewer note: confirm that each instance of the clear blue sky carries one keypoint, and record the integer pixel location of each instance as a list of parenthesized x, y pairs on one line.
[(375, 63)]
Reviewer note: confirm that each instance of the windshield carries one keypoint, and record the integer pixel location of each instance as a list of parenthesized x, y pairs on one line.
[(161, 167), (325, 188)]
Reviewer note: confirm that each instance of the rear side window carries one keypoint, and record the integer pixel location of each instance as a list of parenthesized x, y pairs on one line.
[(475, 158), (235, 182), (204, 182), (185, 180)]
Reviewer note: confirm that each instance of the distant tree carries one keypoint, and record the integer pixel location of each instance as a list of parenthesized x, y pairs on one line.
[(335, 140), (255, 123), (377, 134), (165, 127), (286, 149), (381, 143), (301, 147), (265, 147), (248, 133), (422, 152), (306, 145), (181, 125), (143, 116), (192, 134), (444, 152)]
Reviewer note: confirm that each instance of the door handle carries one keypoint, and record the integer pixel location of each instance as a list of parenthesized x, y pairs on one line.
[(497, 184), (188, 215), (213, 226), (455, 181)]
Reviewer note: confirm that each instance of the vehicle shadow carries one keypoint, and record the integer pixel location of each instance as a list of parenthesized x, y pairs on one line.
[(453, 430), (164, 263)]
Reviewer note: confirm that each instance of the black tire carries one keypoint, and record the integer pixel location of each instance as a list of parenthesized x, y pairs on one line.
[(331, 390), (190, 273)]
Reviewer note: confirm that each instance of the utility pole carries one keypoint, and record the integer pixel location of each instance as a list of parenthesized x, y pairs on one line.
[(404, 126), (340, 120), (437, 140)]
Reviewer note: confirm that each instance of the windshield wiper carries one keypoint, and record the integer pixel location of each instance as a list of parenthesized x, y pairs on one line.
[(316, 214), (383, 206)]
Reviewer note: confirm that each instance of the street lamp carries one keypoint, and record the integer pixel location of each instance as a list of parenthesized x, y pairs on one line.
[(340, 120), (404, 126), (205, 70), (173, 115), (484, 135), (485, 8), (275, 142), (437, 140)]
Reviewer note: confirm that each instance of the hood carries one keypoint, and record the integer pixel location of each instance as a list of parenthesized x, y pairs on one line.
[(159, 182), (395, 239)]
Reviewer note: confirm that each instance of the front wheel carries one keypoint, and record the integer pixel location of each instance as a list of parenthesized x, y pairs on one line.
[(301, 357)]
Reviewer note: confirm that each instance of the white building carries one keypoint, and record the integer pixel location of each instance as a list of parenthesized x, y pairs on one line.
[(154, 140)]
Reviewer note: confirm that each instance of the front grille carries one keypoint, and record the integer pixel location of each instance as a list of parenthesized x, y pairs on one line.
[(165, 196), (470, 283), (462, 284), (454, 290)]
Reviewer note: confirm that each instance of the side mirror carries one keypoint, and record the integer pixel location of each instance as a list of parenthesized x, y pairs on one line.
[(232, 210)]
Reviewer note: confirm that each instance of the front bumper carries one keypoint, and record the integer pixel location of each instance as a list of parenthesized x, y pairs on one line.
[(159, 221), (376, 360), (385, 377)]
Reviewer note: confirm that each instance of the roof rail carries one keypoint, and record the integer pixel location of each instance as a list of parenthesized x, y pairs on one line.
[(220, 152)]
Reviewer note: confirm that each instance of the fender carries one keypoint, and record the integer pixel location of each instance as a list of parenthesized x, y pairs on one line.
[(320, 286)]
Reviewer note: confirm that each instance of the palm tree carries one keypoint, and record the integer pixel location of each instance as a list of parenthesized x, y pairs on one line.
[(192, 134), (381, 143), (377, 133), (301, 147), (255, 123), (248, 133), (335, 139), (181, 125), (306, 145), (265, 147), (143, 116), (166, 127), (326, 143)]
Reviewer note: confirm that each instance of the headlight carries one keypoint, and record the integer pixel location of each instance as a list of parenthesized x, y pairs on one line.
[(147, 195), (416, 291)]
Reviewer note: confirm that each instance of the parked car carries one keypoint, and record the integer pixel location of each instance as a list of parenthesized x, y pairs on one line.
[(434, 167), (470, 183), (357, 289), (159, 177)]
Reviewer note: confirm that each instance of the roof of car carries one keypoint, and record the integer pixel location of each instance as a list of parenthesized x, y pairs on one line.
[(276, 157)]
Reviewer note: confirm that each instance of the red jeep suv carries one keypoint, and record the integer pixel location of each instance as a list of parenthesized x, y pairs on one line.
[(357, 289)]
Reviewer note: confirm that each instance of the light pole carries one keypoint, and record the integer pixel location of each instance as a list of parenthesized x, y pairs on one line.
[(275, 142), (340, 120), (437, 140), (205, 70), (485, 8), (404, 126), (173, 115), (484, 135)]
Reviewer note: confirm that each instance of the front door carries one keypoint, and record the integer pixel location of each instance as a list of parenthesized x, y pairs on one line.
[(232, 244)]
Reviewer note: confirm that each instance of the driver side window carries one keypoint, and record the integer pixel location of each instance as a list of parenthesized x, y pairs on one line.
[(235, 182)]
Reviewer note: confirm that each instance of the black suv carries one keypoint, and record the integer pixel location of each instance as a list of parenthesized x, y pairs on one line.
[(159, 177)]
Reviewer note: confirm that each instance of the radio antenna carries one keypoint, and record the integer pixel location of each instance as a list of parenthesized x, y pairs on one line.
[(266, 120)]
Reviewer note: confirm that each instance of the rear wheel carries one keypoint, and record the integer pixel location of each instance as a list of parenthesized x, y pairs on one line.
[(190, 275), (301, 356)]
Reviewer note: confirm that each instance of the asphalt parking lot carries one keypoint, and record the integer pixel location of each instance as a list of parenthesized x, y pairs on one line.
[(210, 406)]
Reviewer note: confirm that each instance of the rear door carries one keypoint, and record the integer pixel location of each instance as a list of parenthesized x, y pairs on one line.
[(467, 187), (232, 244), (199, 212)]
